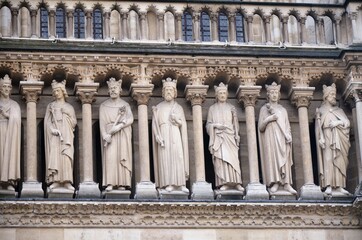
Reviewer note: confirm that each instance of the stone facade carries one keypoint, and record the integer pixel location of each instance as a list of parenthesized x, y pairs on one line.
[(301, 45)]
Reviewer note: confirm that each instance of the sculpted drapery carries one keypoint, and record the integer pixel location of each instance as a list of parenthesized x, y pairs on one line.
[(10, 138), (59, 123), (275, 140), (170, 144), (115, 120), (332, 130), (223, 128)]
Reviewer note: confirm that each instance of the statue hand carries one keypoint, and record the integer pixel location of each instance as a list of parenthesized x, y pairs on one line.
[(55, 132), (107, 138), (2, 112), (116, 128), (160, 141), (272, 118), (333, 124), (288, 139), (322, 143)]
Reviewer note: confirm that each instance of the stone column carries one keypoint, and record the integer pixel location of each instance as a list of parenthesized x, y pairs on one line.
[(201, 190), (248, 96), (354, 93), (32, 188), (232, 28), (322, 35), (33, 23), (214, 32), (302, 31), (124, 16), (356, 34), (249, 20), (338, 39), (161, 27), (143, 24), (70, 16), (301, 97), (89, 33), (145, 189), (87, 188), (268, 30), (318, 30), (178, 27), (196, 27), (14, 21), (285, 28), (107, 26), (51, 24)]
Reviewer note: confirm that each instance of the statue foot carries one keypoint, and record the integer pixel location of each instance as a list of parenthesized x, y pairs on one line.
[(274, 188), (239, 188), (223, 188), (54, 185), (109, 188), (11, 188), (184, 189), (69, 186), (289, 188), (343, 191), (121, 188), (169, 188), (328, 190)]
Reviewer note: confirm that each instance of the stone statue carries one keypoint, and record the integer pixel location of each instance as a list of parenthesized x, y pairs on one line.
[(10, 129), (115, 120), (223, 128), (332, 131), (59, 124), (170, 143), (275, 143)]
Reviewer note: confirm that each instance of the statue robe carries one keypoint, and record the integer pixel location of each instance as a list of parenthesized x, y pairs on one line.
[(116, 155), (10, 130), (275, 152), (333, 159), (59, 155), (223, 145), (171, 162)]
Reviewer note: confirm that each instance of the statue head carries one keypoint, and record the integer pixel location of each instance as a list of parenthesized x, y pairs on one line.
[(329, 93), (61, 86), (273, 92), (114, 87), (5, 85), (221, 92), (169, 90)]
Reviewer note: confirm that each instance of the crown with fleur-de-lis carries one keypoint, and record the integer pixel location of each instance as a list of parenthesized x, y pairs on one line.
[(169, 82), (5, 80)]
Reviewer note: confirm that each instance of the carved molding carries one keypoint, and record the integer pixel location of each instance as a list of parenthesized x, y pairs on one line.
[(248, 95), (196, 94), (179, 215), (31, 90), (142, 93), (302, 96)]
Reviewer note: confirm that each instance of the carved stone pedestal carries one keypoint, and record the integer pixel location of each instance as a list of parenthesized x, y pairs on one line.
[(32, 190), (60, 193), (256, 191), (174, 195), (282, 195), (146, 190), (310, 192), (229, 195), (116, 194), (338, 196), (202, 191), (4, 193), (88, 190)]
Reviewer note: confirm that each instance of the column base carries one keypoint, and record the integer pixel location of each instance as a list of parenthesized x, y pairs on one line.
[(116, 194), (146, 190), (310, 192), (4, 193), (88, 190), (256, 191), (229, 195), (202, 191), (61, 193), (32, 190), (173, 195)]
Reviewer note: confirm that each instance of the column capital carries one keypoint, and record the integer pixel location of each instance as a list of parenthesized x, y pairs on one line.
[(141, 93), (301, 96), (303, 20), (267, 19), (248, 95), (196, 94), (15, 11), (70, 13), (86, 92), (51, 13), (353, 92), (107, 15), (31, 90), (33, 12)]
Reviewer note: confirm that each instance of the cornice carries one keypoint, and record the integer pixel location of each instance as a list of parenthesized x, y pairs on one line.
[(179, 214)]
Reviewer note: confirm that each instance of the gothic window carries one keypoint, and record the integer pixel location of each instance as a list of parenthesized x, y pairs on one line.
[(79, 28), (311, 30), (24, 22), (205, 27), (223, 27), (328, 31), (239, 25), (169, 26), (134, 25), (115, 25), (258, 29), (275, 30), (151, 25), (97, 24), (187, 26), (60, 23), (43, 22), (293, 33)]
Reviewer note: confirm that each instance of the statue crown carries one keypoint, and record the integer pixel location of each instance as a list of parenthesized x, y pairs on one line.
[(273, 86), (113, 82), (5, 80), (221, 86), (61, 85), (328, 89), (169, 82)]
